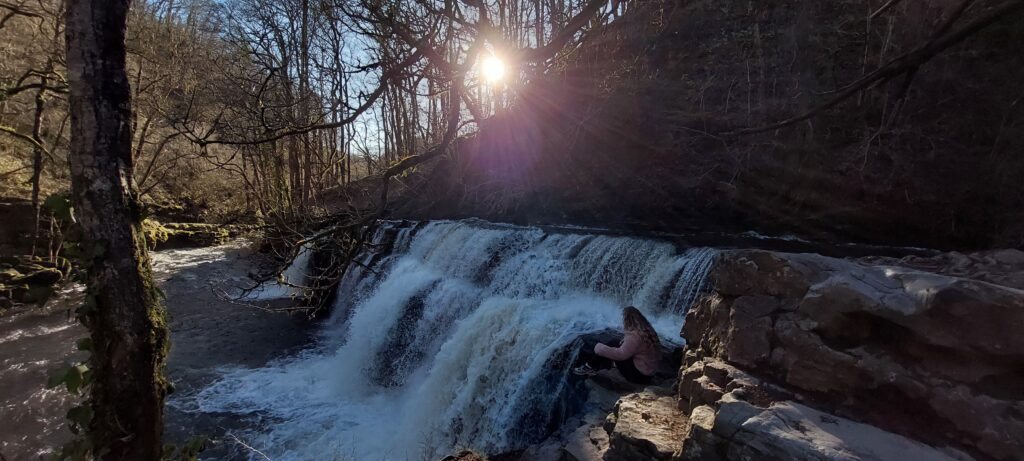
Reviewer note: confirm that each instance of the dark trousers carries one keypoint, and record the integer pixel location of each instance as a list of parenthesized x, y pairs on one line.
[(626, 367)]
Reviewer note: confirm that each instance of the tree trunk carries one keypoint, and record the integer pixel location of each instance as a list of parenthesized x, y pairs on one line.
[(124, 316), (37, 160)]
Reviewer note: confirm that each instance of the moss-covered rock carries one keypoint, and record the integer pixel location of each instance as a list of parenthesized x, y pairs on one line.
[(14, 293), (30, 279), (9, 273), (40, 276), (184, 235), (155, 233)]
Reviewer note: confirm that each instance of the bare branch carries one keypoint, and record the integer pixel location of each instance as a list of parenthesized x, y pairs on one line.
[(901, 65)]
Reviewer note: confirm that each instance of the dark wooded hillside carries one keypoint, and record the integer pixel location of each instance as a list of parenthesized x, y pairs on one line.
[(631, 132)]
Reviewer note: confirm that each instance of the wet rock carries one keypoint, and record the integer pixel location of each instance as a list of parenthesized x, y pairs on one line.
[(587, 443), (931, 357), (644, 425)]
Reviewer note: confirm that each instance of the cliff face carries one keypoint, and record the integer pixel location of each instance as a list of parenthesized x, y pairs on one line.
[(628, 131)]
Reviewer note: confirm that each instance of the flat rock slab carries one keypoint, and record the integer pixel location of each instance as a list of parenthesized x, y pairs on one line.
[(791, 431)]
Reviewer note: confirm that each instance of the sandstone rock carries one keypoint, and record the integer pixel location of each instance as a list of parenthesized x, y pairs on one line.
[(183, 235), (927, 356), (701, 443), (757, 272), (644, 426), (790, 431), (706, 382), (587, 443)]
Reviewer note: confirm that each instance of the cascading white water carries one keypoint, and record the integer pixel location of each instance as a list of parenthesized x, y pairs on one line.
[(291, 282), (454, 334)]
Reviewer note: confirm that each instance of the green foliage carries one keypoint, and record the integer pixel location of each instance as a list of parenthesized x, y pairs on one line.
[(74, 378), (60, 205), (189, 451), (77, 378)]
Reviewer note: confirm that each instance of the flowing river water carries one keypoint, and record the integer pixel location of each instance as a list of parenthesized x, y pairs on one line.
[(208, 333)]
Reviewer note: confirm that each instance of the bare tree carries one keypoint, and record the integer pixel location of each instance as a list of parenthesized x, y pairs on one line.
[(123, 314)]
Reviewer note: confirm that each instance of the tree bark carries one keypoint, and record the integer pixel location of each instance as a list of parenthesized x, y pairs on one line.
[(37, 160), (124, 316)]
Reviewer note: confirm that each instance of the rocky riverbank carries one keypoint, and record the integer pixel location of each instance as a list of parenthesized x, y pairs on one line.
[(800, 356)]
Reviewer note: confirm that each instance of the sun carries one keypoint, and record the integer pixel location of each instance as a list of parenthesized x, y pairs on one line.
[(493, 69)]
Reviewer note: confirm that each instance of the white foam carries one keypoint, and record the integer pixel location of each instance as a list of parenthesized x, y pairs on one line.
[(292, 279)]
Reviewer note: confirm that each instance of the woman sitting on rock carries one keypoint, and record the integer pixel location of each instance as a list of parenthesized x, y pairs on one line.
[(636, 358)]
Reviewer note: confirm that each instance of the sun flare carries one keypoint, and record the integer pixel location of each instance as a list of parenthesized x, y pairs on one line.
[(493, 69)]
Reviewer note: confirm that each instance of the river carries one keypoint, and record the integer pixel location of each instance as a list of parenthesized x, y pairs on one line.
[(207, 334)]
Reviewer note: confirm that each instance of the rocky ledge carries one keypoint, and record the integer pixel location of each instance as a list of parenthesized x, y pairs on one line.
[(808, 357), (30, 279)]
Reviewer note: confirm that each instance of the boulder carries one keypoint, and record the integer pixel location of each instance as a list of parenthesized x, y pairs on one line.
[(587, 443), (30, 279), (932, 357), (184, 235), (40, 276), (786, 430), (8, 273), (644, 425)]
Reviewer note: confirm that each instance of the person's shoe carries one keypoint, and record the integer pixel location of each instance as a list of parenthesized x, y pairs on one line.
[(584, 370)]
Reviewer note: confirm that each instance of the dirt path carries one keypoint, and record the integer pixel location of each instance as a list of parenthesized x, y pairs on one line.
[(207, 333)]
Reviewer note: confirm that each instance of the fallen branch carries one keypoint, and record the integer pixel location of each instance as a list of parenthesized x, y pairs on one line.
[(884, 8), (240, 442), (25, 138)]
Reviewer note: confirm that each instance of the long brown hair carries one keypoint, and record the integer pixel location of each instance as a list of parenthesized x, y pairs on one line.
[(634, 321)]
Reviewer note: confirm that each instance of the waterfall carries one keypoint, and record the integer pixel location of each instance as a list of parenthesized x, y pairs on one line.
[(454, 334), (292, 278)]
